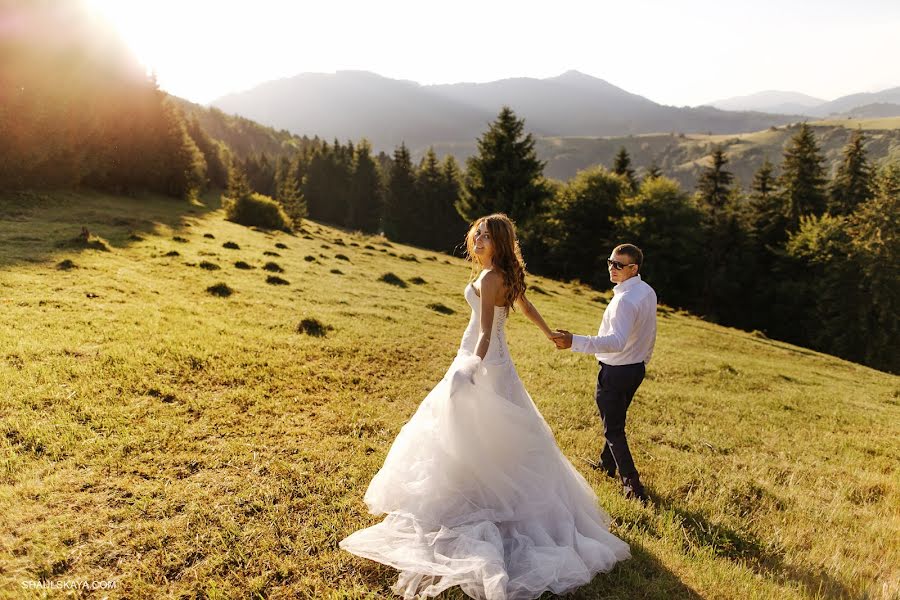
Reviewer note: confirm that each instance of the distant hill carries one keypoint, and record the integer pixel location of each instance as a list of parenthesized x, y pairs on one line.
[(243, 136), (683, 156), (849, 103), (874, 111), (355, 104), (771, 101)]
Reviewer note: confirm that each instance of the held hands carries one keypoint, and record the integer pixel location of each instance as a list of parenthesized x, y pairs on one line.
[(562, 339)]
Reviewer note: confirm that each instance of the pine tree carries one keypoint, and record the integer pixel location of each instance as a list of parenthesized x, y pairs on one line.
[(505, 175), (216, 171), (315, 186), (875, 231), (721, 232), (238, 186), (767, 216), (289, 190), (653, 172), (714, 185), (852, 184), (365, 191), (622, 166), (453, 225), (802, 177), (402, 211)]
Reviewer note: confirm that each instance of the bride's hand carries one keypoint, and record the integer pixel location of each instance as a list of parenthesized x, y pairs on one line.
[(465, 373), (469, 368)]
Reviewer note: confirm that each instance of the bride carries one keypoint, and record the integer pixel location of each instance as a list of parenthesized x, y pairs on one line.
[(476, 491)]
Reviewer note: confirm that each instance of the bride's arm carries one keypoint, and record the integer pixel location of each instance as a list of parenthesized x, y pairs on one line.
[(530, 311), (490, 288)]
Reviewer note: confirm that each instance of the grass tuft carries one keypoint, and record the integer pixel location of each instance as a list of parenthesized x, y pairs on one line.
[(314, 327), (392, 279), (86, 241), (438, 307), (220, 289)]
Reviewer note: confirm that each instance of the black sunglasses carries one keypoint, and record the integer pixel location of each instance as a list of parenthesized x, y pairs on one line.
[(617, 265)]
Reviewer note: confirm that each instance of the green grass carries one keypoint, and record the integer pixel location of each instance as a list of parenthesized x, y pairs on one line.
[(188, 445)]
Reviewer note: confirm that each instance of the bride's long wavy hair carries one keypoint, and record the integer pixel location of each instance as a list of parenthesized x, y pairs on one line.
[(507, 258)]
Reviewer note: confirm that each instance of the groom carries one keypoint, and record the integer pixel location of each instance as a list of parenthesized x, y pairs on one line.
[(623, 347)]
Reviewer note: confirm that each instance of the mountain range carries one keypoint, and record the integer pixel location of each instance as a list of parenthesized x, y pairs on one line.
[(885, 103), (355, 104)]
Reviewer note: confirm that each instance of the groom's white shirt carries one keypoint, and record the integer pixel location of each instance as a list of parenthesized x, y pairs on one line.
[(628, 330)]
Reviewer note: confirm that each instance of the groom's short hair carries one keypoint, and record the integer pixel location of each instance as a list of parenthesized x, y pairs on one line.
[(632, 252)]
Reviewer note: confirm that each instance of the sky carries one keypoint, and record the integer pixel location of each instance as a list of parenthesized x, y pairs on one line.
[(677, 53)]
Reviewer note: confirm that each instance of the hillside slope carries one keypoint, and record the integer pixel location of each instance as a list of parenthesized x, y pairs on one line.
[(178, 443), (683, 156)]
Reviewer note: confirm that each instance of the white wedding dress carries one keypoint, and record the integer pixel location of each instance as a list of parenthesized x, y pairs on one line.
[(478, 494)]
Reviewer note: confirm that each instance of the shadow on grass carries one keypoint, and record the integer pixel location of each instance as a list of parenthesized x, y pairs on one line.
[(36, 226), (642, 576), (746, 549)]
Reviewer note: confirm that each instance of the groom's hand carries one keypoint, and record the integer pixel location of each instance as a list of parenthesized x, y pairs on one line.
[(562, 339)]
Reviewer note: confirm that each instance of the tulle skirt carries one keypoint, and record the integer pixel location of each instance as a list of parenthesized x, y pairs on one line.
[(477, 494)]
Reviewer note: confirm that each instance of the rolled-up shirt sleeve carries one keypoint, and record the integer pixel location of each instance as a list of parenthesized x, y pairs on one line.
[(621, 324)]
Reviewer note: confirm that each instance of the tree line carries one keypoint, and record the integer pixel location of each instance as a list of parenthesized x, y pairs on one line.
[(800, 256)]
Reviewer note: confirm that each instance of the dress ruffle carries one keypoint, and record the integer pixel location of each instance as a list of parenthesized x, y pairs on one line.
[(477, 494)]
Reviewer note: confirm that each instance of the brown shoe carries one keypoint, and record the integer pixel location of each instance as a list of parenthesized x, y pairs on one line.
[(634, 489)]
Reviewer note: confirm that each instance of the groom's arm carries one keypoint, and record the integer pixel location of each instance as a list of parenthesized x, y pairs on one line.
[(621, 324)]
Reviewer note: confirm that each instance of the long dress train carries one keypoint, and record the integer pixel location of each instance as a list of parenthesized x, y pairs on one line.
[(478, 494)]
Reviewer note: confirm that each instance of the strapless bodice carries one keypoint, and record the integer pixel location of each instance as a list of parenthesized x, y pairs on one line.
[(497, 351)]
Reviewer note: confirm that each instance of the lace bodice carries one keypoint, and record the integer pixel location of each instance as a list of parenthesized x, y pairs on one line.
[(497, 351)]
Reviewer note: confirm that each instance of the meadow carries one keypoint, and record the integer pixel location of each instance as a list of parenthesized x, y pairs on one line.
[(191, 408)]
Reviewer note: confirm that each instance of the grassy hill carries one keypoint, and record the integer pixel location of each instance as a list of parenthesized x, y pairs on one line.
[(184, 444)]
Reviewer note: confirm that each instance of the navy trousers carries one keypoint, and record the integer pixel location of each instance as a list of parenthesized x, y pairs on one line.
[(616, 385)]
